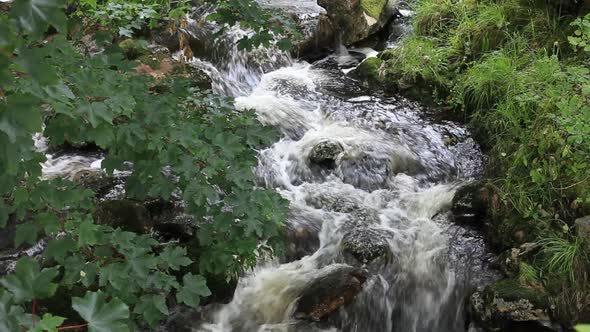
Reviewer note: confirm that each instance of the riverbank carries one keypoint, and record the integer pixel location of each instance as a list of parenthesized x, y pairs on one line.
[(517, 72)]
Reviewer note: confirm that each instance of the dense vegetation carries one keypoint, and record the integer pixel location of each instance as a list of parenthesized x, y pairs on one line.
[(180, 140), (519, 72)]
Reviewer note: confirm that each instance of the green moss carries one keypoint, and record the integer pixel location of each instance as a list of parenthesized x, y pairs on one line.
[(512, 290), (373, 8), (133, 49), (369, 71)]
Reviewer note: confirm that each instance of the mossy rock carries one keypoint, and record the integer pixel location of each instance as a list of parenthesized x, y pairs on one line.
[(374, 8), (369, 71), (512, 290), (506, 305), (133, 48), (125, 214)]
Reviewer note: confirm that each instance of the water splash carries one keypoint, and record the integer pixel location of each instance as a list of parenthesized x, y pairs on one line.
[(393, 178)]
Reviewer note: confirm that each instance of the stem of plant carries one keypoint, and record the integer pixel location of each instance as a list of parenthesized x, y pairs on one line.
[(33, 311), (72, 327)]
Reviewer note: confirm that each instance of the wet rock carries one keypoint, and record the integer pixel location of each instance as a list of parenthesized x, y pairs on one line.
[(368, 71), (365, 171), (124, 214), (355, 20), (300, 241), (366, 243), (95, 180), (316, 45), (185, 319), (470, 204), (330, 291), (345, 204), (507, 306), (325, 154)]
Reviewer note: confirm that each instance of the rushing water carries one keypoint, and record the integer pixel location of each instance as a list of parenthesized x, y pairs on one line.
[(392, 182), (394, 179)]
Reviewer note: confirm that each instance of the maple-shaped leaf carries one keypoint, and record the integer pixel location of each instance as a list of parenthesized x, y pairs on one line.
[(48, 323), (34, 16), (174, 258), (102, 315), (29, 282), (10, 314), (153, 308), (193, 288)]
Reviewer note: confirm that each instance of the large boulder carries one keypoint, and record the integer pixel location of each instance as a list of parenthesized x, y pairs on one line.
[(330, 291), (356, 20)]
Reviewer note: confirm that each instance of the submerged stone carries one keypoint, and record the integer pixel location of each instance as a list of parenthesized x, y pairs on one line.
[(328, 292)]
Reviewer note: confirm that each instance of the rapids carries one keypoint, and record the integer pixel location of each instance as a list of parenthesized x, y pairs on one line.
[(396, 174)]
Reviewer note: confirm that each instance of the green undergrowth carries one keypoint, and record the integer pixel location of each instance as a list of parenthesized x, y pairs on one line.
[(177, 139), (519, 72)]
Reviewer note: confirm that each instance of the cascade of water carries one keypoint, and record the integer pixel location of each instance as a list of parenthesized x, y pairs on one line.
[(390, 176)]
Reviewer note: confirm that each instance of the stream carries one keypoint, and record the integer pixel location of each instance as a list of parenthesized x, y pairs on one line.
[(366, 174), (363, 170)]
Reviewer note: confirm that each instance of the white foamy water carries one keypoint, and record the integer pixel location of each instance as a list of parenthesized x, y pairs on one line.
[(392, 178)]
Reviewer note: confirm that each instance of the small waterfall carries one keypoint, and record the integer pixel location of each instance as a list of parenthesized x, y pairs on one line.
[(390, 182)]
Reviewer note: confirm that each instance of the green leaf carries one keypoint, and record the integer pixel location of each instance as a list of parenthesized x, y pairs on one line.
[(34, 16), (193, 288), (59, 248), (583, 328), (153, 308), (96, 113), (87, 233), (26, 233), (49, 222), (102, 135), (9, 312), (284, 44), (102, 315), (36, 67), (29, 282), (174, 258), (49, 323)]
